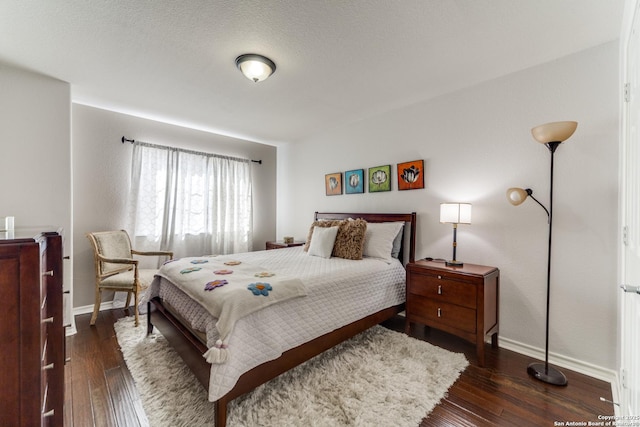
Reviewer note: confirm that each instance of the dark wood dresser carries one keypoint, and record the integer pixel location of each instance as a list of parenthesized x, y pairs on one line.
[(31, 329), (460, 300)]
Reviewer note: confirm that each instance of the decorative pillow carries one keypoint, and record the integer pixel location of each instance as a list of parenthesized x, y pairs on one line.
[(319, 223), (349, 242), (350, 239), (322, 241), (379, 238)]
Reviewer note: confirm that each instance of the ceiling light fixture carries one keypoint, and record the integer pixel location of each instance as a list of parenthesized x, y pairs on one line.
[(255, 67)]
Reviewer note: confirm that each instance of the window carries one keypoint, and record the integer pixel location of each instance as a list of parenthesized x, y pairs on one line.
[(189, 202)]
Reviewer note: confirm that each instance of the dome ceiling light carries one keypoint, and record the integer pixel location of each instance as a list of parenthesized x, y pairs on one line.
[(255, 67)]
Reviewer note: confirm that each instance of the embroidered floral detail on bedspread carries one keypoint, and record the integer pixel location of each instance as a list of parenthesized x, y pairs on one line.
[(265, 274), (215, 284), (228, 299), (260, 288)]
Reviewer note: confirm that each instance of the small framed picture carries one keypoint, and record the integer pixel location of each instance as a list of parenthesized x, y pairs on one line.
[(380, 179), (411, 175), (333, 184), (354, 181)]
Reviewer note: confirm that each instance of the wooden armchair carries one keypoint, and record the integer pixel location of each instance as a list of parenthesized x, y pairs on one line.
[(116, 270)]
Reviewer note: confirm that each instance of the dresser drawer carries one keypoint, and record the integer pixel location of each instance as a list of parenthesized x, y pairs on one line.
[(441, 288), (437, 313)]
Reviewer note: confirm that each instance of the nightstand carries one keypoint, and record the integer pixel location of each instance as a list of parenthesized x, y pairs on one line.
[(280, 244), (460, 300)]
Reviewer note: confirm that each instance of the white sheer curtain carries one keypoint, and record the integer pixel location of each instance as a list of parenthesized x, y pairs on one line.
[(189, 202)]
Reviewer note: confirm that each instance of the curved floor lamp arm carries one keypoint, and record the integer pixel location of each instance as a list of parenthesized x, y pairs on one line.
[(543, 207)]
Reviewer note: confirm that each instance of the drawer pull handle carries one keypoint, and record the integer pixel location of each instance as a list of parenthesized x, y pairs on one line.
[(48, 367), (439, 276), (439, 289), (439, 312), (48, 273), (49, 413), (48, 320)]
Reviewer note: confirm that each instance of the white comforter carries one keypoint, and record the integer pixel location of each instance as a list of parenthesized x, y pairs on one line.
[(339, 292)]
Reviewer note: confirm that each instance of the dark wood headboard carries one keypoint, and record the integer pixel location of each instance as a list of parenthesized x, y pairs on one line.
[(409, 218)]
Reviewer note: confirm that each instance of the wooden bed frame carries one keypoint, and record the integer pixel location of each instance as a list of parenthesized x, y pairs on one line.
[(191, 348)]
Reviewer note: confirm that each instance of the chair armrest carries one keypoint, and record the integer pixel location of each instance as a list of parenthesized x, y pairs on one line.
[(153, 253), (118, 260)]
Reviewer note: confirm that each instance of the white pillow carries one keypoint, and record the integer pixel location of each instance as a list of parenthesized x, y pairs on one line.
[(322, 241), (379, 237), (397, 243)]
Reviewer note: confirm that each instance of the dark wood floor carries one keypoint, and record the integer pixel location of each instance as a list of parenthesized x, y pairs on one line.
[(101, 392)]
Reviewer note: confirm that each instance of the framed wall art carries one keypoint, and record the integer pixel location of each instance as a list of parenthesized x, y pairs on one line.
[(380, 178), (333, 184), (411, 175), (354, 181)]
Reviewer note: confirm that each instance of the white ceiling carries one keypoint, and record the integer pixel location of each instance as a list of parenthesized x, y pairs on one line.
[(337, 60)]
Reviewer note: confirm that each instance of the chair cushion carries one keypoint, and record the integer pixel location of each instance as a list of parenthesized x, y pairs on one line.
[(124, 280)]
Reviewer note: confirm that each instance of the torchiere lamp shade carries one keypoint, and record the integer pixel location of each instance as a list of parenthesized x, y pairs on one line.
[(554, 131)]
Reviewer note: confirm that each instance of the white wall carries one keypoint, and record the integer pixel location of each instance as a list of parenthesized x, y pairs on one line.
[(102, 167), (35, 149), (476, 143), (35, 154)]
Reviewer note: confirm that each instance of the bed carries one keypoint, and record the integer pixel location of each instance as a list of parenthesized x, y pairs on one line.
[(277, 338)]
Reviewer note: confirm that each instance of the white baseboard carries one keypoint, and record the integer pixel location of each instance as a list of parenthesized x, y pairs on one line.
[(89, 308), (71, 329), (576, 365), (616, 395), (109, 305)]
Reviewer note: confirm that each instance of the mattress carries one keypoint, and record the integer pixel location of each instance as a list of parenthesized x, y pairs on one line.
[(339, 292)]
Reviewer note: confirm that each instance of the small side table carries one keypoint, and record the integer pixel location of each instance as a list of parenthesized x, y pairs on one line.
[(460, 300), (279, 244)]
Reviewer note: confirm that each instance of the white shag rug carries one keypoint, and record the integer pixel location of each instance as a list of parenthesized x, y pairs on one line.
[(380, 377)]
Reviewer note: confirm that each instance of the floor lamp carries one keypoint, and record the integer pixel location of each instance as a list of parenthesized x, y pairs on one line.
[(551, 135)]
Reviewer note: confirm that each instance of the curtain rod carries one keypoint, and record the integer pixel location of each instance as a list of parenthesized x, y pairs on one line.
[(124, 139)]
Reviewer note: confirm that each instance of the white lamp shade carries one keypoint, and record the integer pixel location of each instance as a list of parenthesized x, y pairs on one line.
[(455, 213), (554, 132), (255, 67)]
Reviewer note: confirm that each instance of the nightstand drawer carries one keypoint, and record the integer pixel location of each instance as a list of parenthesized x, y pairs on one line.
[(435, 313), (444, 289)]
